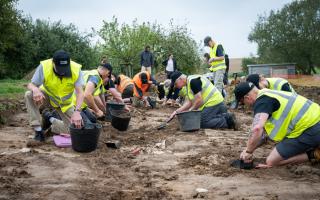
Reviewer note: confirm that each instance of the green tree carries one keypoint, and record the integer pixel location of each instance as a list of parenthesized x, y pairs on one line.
[(291, 34), (124, 43), (248, 61)]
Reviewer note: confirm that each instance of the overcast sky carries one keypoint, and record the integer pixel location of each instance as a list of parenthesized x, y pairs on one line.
[(229, 22)]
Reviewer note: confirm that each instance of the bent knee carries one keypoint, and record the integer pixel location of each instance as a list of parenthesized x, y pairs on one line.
[(28, 94)]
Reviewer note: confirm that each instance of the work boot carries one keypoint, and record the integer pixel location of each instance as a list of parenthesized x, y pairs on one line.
[(46, 115), (232, 121), (316, 154), (39, 136)]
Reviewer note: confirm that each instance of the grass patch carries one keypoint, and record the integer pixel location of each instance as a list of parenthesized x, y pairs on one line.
[(11, 88)]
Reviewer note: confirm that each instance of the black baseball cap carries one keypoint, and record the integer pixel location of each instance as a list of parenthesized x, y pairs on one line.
[(174, 76), (243, 89), (109, 67), (61, 60), (207, 40), (254, 78), (144, 78)]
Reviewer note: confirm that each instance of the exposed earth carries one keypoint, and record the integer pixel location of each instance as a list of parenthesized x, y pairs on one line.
[(150, 163)]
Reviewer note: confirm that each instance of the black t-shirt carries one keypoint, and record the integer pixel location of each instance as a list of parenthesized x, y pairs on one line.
[(266, 104), (220, 51), (109, 85), (196, 85)]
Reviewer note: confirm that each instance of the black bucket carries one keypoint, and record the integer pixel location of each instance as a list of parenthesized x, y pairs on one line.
[(120, 119), (85, 139), (190, 120), (113, 106)]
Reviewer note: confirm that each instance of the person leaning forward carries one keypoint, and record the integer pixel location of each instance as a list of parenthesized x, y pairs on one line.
[(93, 93), (284, 117), (261, 82), (202, 95), (53, 85)]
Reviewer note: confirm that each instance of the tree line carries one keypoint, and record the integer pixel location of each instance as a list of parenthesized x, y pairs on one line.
[(289, 35), (24, 42)]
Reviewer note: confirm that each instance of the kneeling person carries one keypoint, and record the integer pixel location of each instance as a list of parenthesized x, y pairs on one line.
[(287, 118), (202, 95)]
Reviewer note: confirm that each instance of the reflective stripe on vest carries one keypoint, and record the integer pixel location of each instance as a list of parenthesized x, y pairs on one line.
[(217, 64), (296, 108), (59, 89), (208, 88), (97, 90), (277, 83)]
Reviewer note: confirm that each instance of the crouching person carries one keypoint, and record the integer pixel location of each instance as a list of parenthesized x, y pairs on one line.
[(52, 86), (202, 95), (285, 117)]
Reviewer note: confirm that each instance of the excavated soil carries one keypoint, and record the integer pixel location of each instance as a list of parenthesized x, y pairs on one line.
[(150, 164)]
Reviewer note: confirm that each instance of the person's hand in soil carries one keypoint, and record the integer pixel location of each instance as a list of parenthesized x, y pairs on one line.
[(127, 108), (76, 119), (246, 156), (38, 96), (99, 114)]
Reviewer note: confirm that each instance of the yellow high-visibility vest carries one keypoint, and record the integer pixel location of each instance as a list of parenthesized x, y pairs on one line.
[(59, 90), (277, 83), (209, 93), (294, 116), (217, 64)]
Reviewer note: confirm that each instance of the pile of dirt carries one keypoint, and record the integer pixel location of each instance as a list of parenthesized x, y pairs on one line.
[(9, 107), (310, 92)]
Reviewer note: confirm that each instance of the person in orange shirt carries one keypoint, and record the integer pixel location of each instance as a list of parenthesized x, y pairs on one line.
[(124, 85), (142, 82)]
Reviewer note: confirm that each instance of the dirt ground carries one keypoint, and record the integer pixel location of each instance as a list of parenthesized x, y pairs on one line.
[(170, 165)]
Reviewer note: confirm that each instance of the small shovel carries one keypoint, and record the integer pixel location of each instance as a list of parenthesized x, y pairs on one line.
[(164, 124)]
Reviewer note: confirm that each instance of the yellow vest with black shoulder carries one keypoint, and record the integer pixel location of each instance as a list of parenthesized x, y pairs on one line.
[(216, 64), (209, 93), (277, 83), (294, 116), (94, 72), (59, 90)]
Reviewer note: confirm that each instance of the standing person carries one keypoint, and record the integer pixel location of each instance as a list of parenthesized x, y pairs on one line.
[(289, 119), (146, 60), (202, 95), (170, 64), (216, 61), (52, 86), (261, 82)]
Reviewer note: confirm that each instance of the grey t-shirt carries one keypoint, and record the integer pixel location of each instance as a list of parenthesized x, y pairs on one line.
[(38, 77)]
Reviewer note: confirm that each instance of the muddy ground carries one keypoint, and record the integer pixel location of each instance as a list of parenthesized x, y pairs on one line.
[(170, 165)]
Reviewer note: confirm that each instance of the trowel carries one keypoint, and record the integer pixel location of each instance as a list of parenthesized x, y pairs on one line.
[(164, 124)]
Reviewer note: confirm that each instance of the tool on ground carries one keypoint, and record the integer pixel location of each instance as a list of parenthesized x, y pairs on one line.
[(113, 144), (164, 124), (240, 164)]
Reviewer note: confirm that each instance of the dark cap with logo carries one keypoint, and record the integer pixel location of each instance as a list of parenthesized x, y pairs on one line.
[(61, 60), (243, 89)]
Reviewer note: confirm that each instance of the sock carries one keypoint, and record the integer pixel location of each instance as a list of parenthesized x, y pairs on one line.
[(38, 128), (52, 119)]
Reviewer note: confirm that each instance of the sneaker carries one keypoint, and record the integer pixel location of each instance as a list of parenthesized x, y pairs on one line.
[(39, 136), (232, 121)]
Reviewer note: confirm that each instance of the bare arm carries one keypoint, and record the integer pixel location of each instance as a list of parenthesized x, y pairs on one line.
[(197, 101), (88, 96), (116, 95), (255, 136), (76, 118)]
